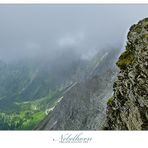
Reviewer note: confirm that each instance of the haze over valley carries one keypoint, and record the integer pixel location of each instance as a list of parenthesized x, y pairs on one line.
[(58, 63)]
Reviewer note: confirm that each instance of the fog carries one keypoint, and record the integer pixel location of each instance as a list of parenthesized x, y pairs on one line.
[(48, 30)]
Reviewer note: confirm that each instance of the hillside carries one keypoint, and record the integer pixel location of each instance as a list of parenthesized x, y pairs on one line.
[(27, 86), (83, 106)]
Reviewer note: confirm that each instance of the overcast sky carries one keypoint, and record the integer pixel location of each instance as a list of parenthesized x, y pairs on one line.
[(31, 30)]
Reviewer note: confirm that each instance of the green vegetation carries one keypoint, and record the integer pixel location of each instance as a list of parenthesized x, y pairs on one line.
[(126, 58), (41, 103), (31, 119), (110, 101), (23, 121), (29, 113), (137, 29)]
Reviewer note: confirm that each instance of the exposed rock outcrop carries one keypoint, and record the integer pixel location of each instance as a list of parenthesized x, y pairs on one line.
[(128, 108)]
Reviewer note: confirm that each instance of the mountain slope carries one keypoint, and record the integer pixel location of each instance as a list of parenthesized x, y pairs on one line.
[(83, 106), (35, 89), (29, 87), (128, 108), (31, 80)]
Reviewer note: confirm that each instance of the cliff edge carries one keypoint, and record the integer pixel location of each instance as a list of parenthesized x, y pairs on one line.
[(128, 108)]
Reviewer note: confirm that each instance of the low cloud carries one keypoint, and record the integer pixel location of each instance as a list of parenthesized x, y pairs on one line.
[(47, 30), (71, 40)]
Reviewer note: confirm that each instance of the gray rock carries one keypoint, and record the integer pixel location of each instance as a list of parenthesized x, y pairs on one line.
[(129, 107)]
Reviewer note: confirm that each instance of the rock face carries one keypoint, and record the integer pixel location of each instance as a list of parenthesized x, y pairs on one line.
[(128, 108), (83, 106)]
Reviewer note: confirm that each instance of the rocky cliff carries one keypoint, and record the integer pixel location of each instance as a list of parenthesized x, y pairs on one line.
[(128, 108), (83, 105)]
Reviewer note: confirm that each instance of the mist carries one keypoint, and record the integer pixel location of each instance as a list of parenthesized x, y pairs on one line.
[(40, 31)]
